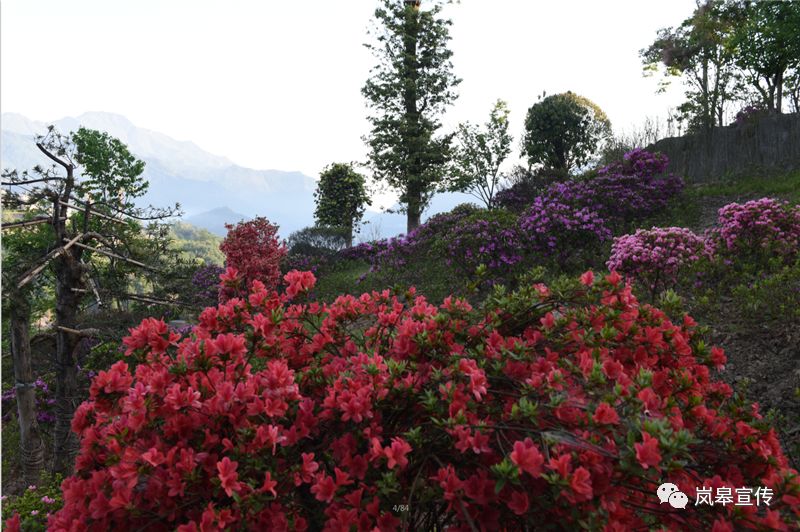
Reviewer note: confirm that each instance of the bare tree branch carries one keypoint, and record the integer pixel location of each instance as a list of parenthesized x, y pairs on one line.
[(80, 332), (26, 278), (120, 257), (53, 157), (26, 223)]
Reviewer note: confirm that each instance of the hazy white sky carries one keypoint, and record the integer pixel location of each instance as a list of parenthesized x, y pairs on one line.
[(276, 84)]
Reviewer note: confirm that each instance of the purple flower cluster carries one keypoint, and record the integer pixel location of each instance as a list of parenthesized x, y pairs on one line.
[(495, 243), (302, 262), (45, 403), (766, 227), (746, 113), (394, 253), (206, 283), (655, 257), (625, 191), (638, 162), (551, 226), (364, 251)]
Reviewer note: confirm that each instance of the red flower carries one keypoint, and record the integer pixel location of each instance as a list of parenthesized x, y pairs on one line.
[(519, 502), (269, 484), (228, 475), (527, 457), (324, 488), (581, 484), (605, 415), (299, 282), (13, 524), (647, 451), (718, 357), (396, 453), (587, 278)]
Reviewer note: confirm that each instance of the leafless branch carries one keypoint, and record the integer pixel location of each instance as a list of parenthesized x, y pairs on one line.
[(79, 332), (115, 256), (32, 273), (26, 223)]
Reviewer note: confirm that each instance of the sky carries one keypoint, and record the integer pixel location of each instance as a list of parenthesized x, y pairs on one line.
[(277, 84)]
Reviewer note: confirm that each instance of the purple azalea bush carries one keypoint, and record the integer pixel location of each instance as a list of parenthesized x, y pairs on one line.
[(45, 403), (206, 284), (553, 228), (492, 240)]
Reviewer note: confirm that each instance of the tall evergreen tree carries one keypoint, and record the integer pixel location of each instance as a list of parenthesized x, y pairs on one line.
[(408, 91)]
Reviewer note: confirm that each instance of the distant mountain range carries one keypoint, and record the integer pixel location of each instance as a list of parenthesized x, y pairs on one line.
[(211, 190)]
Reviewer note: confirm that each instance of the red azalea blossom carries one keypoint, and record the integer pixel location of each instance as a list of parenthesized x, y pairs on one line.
[(605, 415), (228, 475), (518, 502), (647, 451), (396, 453), (305, 413), (527, 457)]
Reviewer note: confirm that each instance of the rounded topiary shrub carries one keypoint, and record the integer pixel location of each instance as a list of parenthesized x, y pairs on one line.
[(386, 411)]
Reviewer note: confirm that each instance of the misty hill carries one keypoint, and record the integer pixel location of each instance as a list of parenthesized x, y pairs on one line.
[(215, 220), (179, 171), (211, 189)]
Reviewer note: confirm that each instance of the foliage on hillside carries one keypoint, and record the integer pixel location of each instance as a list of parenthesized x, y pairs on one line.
[(197, 243)]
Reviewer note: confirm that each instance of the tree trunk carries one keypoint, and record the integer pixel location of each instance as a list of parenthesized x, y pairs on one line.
[(69, 275), (779, 89), (413, 177), (414, 212), (30, 440), (350, 235)]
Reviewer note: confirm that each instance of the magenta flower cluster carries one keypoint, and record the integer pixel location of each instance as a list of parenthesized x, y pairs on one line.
[(490, 242), (624, 191), (45, 403), (655, 257), (551, 225), (205, 282), (766, 226), (638, 162)]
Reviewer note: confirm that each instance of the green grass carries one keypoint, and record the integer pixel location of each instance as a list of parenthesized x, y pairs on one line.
[(786, 186), (696, 207)]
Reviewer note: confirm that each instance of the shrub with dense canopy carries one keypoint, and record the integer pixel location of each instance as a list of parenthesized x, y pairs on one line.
[(341, 198), (563, 131), (275, 413), (254, 249)]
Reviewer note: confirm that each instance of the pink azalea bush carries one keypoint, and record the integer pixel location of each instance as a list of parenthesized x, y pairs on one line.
[(655, 257), (760, 228), (276, 413)]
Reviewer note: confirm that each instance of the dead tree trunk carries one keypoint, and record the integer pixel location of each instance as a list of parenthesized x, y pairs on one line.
[(30, 439), (70, 286), (69, 276)]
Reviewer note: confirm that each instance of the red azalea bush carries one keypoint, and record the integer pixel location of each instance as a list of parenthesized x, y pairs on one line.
[(655, 257), (385, 411), (254, 249)]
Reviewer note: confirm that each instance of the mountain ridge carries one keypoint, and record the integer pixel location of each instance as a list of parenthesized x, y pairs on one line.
[(203, 183)]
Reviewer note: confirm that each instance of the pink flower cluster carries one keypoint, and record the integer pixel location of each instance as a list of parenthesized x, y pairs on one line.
[(655, 256), (766, 225)]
